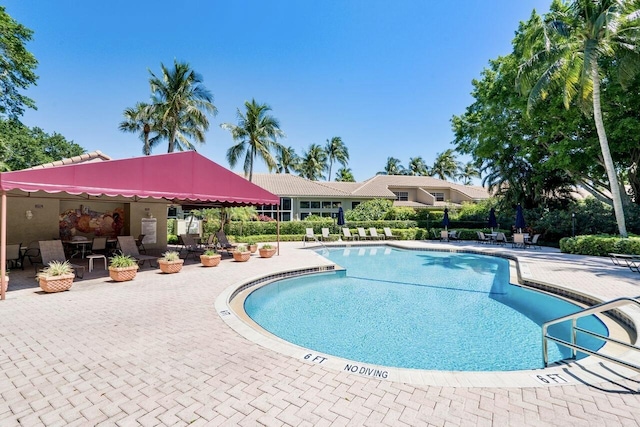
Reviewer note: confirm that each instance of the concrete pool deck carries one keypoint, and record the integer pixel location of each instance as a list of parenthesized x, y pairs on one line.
[(155, 351)]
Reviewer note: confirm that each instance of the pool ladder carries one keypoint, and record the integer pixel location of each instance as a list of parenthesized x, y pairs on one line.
[(324, 247), (599, 308)]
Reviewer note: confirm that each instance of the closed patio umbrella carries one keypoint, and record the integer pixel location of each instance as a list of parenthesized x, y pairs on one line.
[(493, 222), (445, 219), (520, 224), (340, 216)]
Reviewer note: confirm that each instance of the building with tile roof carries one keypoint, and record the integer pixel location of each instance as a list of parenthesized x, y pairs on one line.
[(300, 197)]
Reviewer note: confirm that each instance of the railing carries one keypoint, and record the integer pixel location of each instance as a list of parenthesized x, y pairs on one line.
[(575, 329)]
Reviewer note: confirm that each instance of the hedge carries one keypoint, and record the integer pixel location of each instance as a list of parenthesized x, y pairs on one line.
[(254, 228), (599, 245)]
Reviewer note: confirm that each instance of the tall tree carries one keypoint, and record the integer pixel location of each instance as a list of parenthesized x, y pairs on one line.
[(313, 163), (445, 166), (143, 120), (566, 48), (345, 175), (336, 151), (256, 132), (22, 147), (182, 104), (417, 167), (287, 160), (468, 172), (393, 167), (17, 66)]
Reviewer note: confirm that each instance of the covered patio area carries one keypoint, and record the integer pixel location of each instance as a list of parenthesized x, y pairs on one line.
[(144, 186)]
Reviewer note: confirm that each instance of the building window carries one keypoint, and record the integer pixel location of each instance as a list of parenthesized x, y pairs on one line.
[(304, 205), (402, 196), (438, 196), (354, 204), (272, 210)]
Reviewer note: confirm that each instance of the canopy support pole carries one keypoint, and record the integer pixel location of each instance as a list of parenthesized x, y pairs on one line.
[(3, 246), (278, 229)]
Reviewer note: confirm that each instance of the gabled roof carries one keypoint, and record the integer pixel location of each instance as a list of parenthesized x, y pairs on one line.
[(381, 185), (177, 177), (284, 184), (94, 156)]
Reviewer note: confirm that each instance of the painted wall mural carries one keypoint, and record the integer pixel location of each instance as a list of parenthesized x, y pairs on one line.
[(85, 221)]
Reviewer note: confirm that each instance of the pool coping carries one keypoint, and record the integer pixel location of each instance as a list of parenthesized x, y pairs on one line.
[(589, 370)]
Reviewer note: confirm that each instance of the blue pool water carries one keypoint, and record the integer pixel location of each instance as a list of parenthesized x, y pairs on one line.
[(414, 309)]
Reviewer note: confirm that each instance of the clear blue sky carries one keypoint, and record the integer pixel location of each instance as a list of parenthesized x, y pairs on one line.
[(384, 76)]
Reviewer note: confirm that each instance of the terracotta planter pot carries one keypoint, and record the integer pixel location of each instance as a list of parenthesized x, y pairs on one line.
[(170, 266), (252, 248), (210, 260), (123, 274), (56, 283), (267, 253), (241, 256)]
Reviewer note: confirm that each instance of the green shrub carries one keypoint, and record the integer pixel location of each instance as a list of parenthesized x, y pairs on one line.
[(172, 239), (599, 245), (122, 261)]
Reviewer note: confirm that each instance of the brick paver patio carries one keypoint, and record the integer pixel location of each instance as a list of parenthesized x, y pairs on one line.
[(155, 351)]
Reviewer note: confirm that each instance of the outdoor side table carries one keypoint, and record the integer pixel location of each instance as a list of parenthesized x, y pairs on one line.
[(96, 256)]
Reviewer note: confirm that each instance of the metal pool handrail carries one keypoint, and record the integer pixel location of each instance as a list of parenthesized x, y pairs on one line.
[(618, 302)]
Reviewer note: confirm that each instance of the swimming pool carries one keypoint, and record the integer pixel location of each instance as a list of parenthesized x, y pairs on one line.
[(416, 309)]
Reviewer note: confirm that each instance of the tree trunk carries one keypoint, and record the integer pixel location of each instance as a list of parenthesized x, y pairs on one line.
[(614, 185), (172, 138)]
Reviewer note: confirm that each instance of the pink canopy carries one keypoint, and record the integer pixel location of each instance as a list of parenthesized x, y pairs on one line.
[(183, 176)]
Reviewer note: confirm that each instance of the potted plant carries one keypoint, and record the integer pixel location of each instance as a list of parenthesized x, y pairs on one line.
[(241, 253), (252, 246), (56, 277), (122, 268), (210, 258), (170, 262), (6, 280), (267, 250)]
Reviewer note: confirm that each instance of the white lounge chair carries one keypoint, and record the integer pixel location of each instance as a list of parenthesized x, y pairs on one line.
[(388, 234), (362, 233), (347, 234), (326, 236), (374, 233)]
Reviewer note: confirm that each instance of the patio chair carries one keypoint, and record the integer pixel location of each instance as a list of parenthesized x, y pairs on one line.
[(99, 246), (32, 253), (309, 236), (518, 241), (501, 239), (210, 243), (444, 235), (52, 250), (482, 238), (374, 233), (14, 256), (533, 242), (346, 233), (128, 246), (223, 242), (326, 236), (362, 234), (453, 235), (388, 234), (191, 246), (623, 260), (140, 244)]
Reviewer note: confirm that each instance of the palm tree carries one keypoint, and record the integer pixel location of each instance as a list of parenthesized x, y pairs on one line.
[(313, 163), (287, 160), (182, 103), (569, 46), (336, 151), (393, 167), (468, 172), (417, 167), (445, 166), (140, 119), (345, 175), (256, 133)]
